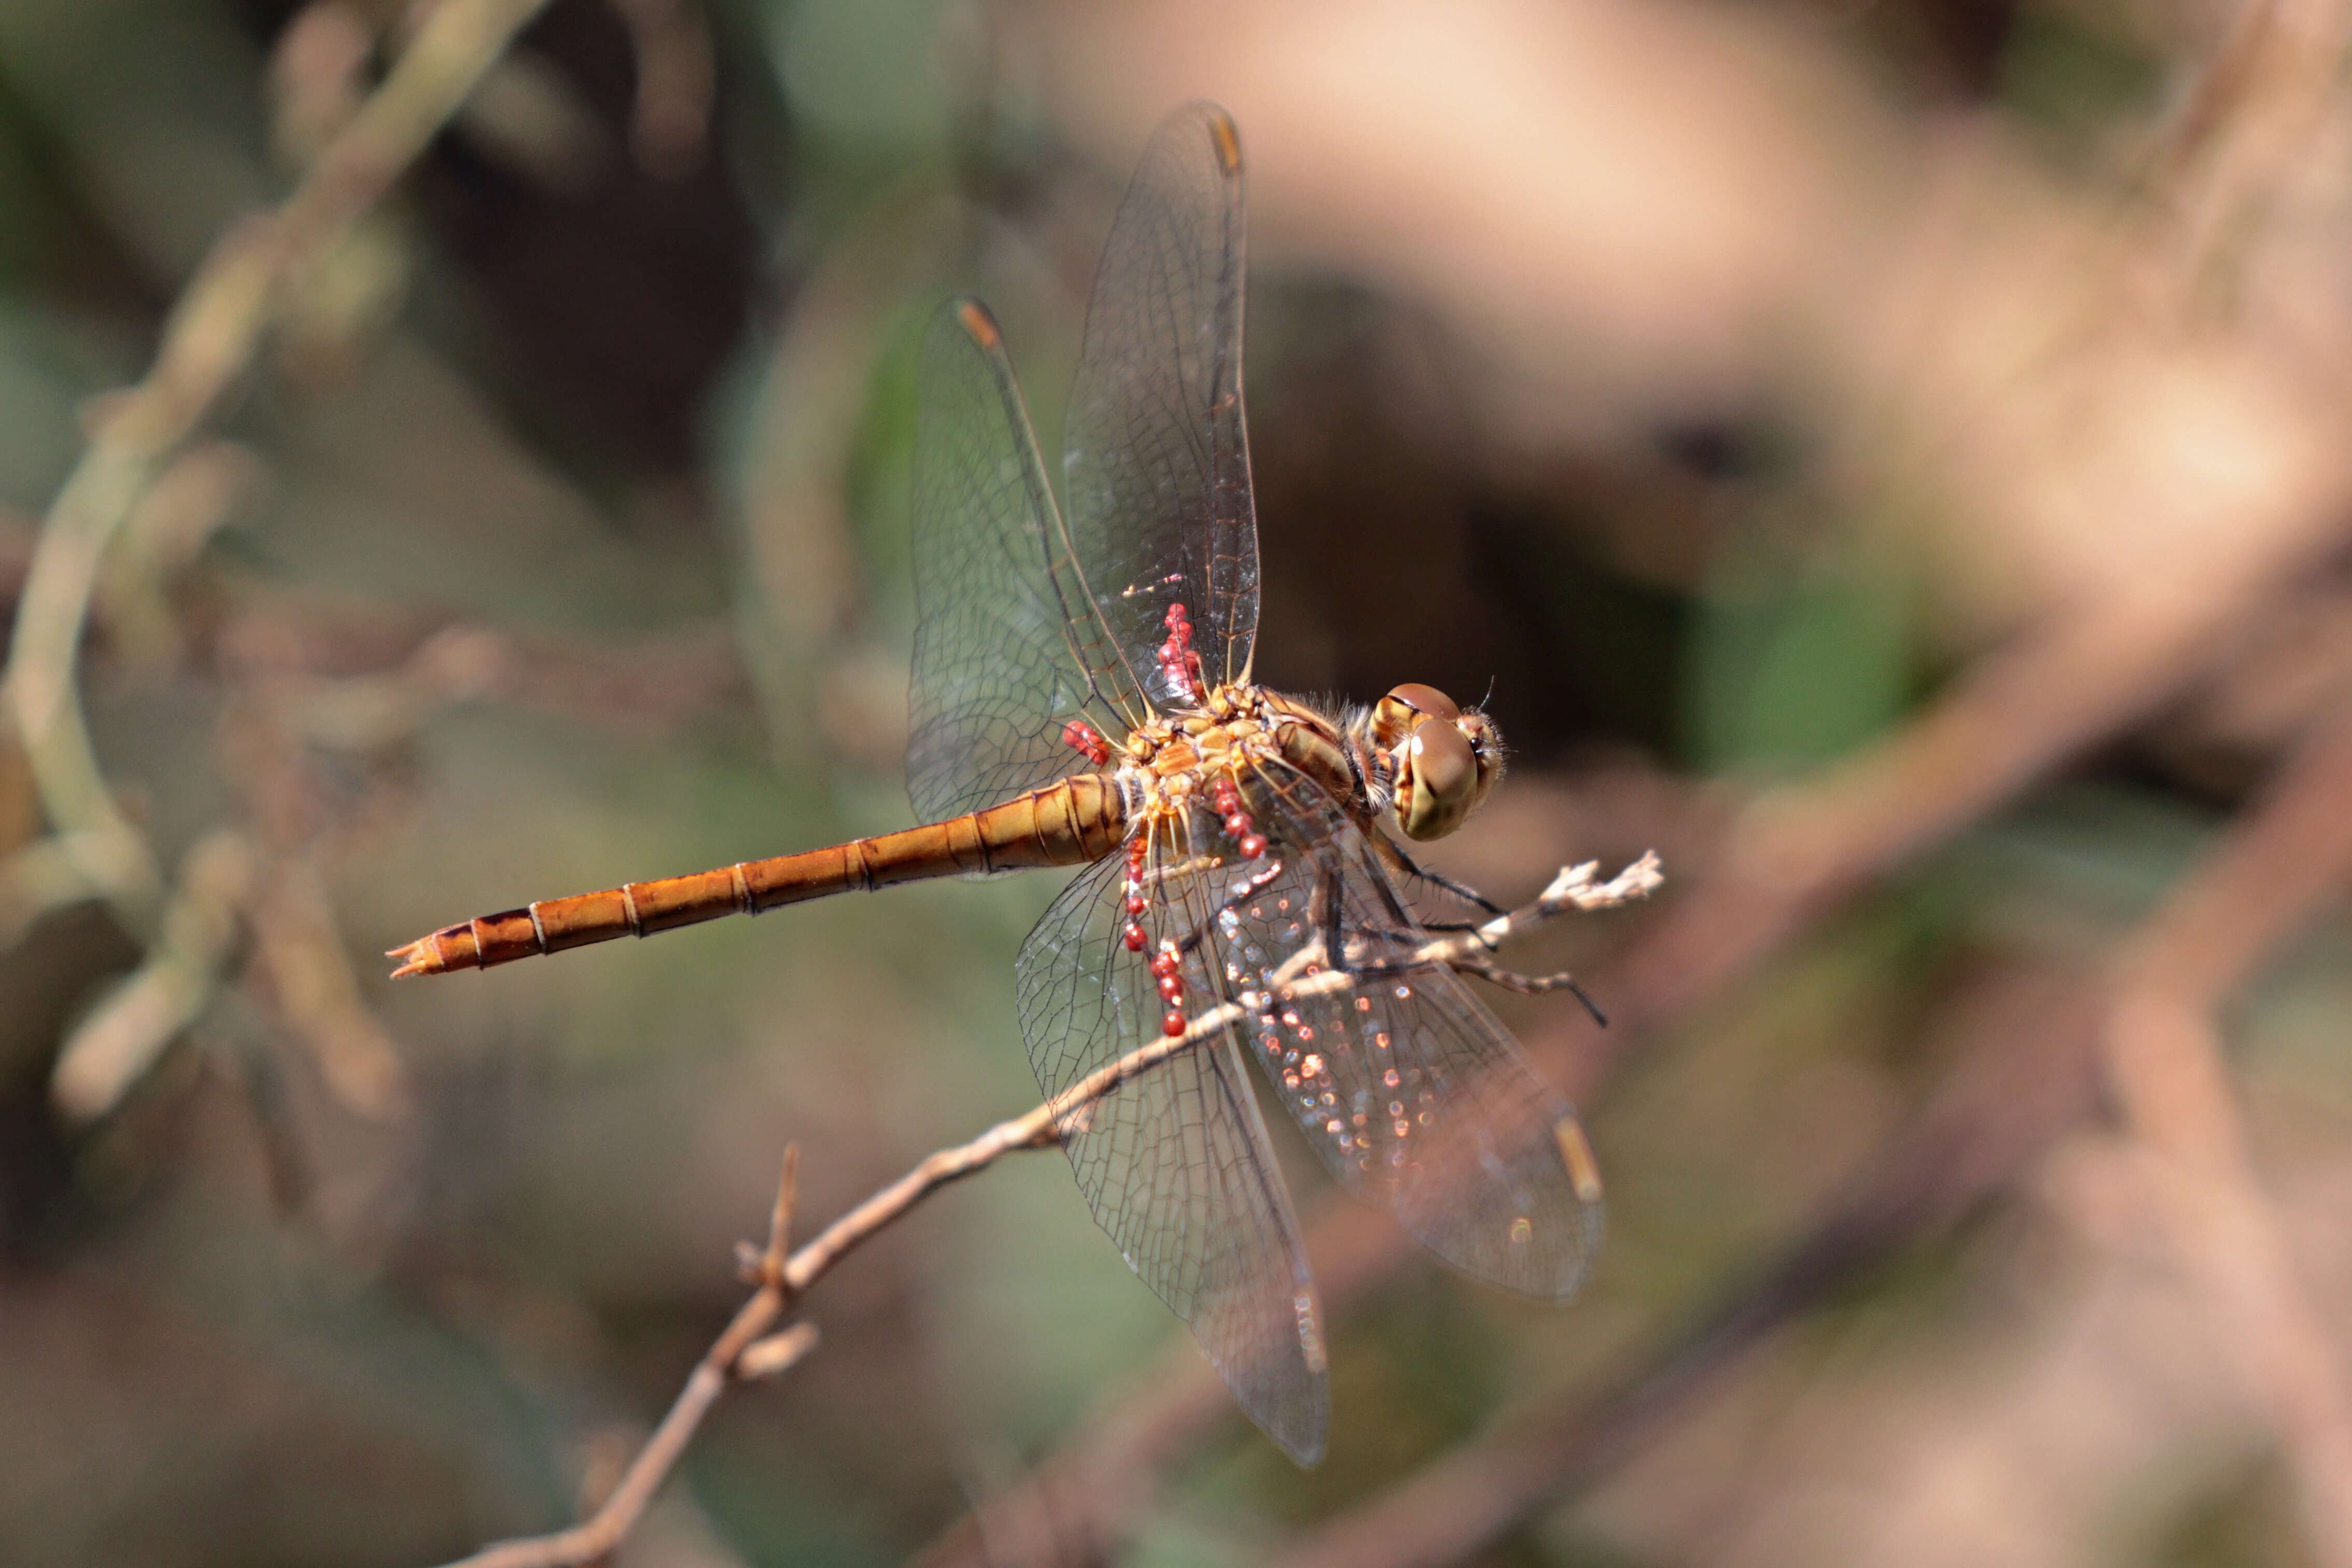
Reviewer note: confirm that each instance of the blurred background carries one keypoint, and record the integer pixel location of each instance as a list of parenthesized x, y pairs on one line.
[(1889, 456)]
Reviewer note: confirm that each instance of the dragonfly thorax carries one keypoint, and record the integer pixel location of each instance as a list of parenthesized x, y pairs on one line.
[(1170, 761)]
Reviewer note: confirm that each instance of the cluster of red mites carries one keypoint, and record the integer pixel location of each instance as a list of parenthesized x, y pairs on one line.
[(1178, 662), (1087, 741), (1165, 968), (1244, 832), (1165, 965), (1132, 933)]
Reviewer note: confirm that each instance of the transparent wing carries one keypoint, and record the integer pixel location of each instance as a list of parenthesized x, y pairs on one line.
[(1174, 1163), (1156, 466), (1007, 650), (1410, 1090)]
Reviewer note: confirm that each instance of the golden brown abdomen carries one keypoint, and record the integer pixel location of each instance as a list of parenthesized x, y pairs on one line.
[(1067, 824)]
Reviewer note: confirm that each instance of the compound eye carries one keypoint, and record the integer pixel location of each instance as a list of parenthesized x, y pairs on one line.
[(1426, 699), (1437, 780), (1395, 715)]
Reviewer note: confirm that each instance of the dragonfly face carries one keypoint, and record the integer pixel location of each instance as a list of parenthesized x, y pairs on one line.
[(1441, 758)]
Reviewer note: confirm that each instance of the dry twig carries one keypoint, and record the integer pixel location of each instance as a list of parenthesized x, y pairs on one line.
[(746, 1349), (113, 1048)]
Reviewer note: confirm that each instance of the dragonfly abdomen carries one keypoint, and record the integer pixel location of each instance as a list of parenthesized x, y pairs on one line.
[(1069, 823)]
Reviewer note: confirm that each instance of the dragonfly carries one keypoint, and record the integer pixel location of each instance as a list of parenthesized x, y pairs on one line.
[(1082, 694)]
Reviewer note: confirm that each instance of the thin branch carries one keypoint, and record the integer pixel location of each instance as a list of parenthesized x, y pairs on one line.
[(746, 1349), (110, 1050), (724, 1362), (299, 945)]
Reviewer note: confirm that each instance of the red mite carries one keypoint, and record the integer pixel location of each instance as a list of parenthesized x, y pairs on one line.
[(1248, 841), (1087, 740), (1177, 659)]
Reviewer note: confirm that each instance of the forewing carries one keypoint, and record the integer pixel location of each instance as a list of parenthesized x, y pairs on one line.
[(1174, 1163), (1410, 1090), (1007, 650), (1156, 467)]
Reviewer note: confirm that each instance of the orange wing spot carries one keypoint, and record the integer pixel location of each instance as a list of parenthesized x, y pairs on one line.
[(1229, 142), (1583, 1170), (979, 323)]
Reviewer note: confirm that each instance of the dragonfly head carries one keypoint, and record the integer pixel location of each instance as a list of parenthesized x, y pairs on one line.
[(1444, 758)]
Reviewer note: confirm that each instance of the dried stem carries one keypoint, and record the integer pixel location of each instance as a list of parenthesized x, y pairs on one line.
[(783, 1279), (731, 1356), (113, 1048)]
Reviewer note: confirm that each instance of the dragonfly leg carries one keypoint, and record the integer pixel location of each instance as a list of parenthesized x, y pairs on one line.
[(1398, 861), (1532, 985), (1406, 936), (1247, 889), (1324, 906)]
